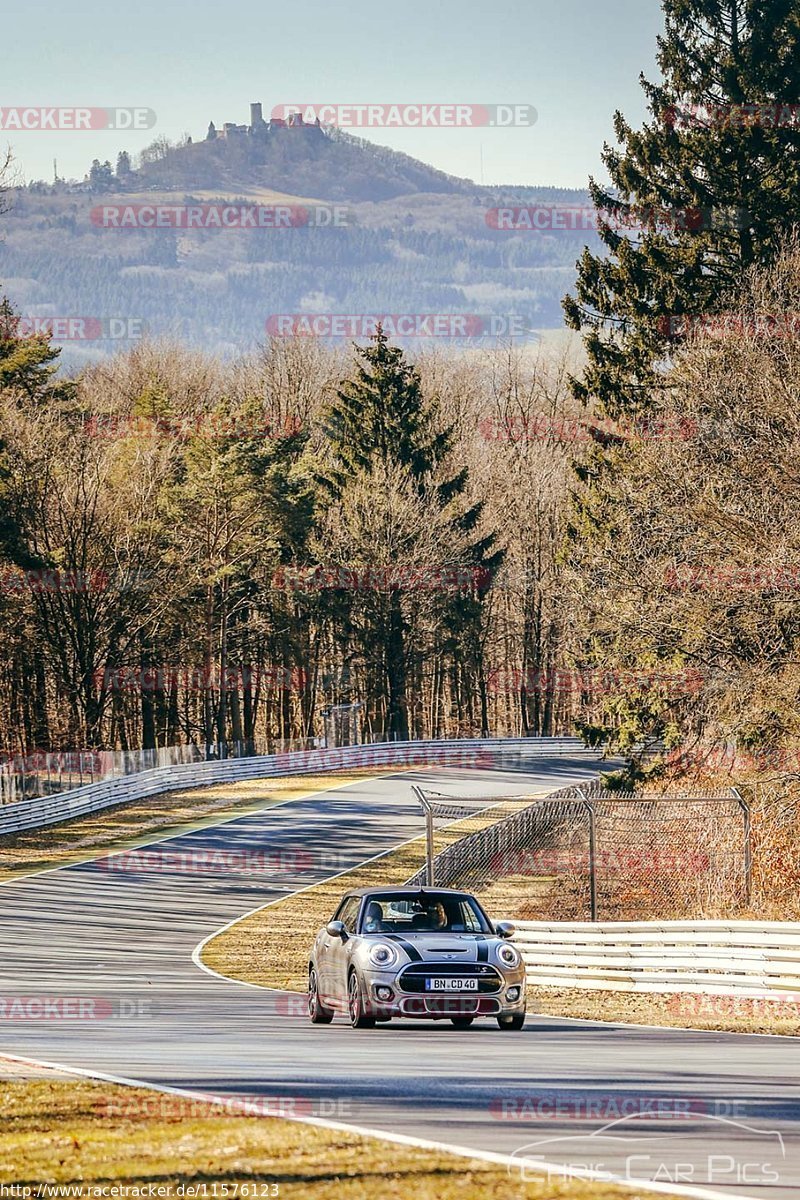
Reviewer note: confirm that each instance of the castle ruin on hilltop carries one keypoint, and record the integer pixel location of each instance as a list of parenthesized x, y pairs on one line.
[(258, 127)]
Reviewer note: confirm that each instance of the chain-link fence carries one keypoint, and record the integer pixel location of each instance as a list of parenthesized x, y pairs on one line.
[(586, 854)]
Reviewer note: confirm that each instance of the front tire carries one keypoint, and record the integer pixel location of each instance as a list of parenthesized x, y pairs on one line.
[(319, 1014), (511, 1020), (359, 1018)]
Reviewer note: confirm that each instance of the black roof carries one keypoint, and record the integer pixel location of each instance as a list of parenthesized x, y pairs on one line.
[(406, 891)]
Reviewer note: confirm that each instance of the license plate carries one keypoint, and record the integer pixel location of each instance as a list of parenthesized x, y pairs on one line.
[(439, 984)]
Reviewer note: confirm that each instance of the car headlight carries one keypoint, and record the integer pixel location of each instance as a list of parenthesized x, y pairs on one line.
[(508, 955), (382, 955)]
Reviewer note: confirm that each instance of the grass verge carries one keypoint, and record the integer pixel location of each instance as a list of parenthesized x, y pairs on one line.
[(730, 1014), (88, 1135), (138, 822)]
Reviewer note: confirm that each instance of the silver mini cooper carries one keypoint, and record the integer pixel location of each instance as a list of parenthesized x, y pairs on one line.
[(428, 953)]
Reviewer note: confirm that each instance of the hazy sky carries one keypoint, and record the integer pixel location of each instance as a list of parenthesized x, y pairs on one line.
[(574, 60)]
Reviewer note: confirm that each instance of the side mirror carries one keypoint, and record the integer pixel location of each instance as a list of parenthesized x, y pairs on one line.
[(336, 929), (505, 929)]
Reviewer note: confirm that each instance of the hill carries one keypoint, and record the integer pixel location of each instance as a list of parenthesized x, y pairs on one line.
[(415, 241), (304, 160)]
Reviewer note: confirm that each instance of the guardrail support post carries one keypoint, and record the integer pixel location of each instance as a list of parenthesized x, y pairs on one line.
[(748, 845), (589, 806), (426, 808)]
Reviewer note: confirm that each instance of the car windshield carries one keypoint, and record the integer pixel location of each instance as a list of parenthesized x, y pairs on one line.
[(430, 912)]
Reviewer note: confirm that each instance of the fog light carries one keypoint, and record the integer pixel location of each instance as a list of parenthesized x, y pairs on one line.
[(384, 993), (513, 994)]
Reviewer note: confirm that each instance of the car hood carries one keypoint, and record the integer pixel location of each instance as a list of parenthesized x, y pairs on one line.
[(444, 947)]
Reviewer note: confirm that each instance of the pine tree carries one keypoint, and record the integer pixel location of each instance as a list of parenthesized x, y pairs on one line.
[(707, 188), (28, 364), (381, 417), (381, 420), (27, 369), (711, 183)]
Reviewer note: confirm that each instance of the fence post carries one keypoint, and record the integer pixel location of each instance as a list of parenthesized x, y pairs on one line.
[(589, 807), (426, 808), (748, 844)]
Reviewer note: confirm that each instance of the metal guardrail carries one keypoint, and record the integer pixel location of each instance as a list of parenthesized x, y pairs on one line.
[(709, 957), (474, 753), (26, 776)]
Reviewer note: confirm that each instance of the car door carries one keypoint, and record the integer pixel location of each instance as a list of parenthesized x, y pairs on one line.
[(337, 957), (323, 956)]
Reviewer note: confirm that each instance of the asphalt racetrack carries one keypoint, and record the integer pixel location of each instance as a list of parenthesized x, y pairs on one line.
[(701, 1113)]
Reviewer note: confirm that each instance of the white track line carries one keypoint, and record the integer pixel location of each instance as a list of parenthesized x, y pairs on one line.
[(541, 1166)]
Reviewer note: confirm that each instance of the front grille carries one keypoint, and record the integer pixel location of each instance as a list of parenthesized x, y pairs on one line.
[(412, 979), (449, 1006)]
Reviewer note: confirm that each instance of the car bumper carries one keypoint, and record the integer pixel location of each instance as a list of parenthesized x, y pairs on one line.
[(443, 1005)]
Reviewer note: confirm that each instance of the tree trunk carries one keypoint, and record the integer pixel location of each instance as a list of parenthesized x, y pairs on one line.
[(396, 674)]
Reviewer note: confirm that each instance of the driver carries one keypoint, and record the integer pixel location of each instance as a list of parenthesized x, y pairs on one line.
[(437, 916), (373, 918)]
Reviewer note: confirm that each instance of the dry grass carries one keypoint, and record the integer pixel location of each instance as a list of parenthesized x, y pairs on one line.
[(731, 1014), (127, 826), (56, 1129)]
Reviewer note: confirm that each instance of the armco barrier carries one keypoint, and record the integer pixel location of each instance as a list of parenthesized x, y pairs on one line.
[(64, 806), (709, 957)]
